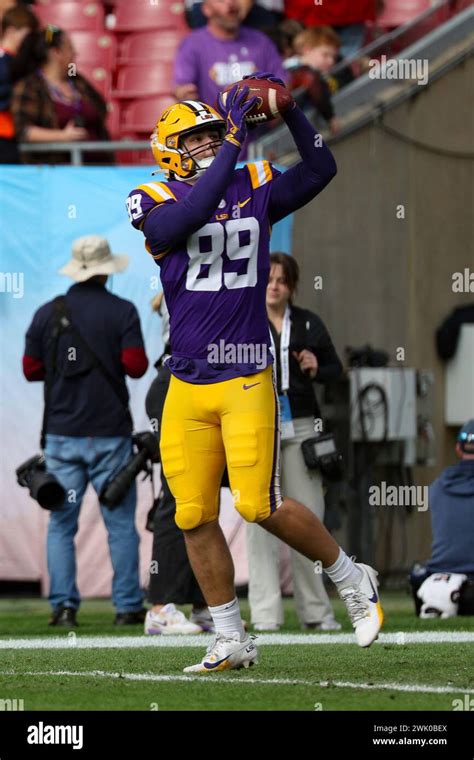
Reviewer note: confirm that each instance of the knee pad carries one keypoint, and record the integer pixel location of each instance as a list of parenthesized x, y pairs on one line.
[(189, 514), (250, 511)]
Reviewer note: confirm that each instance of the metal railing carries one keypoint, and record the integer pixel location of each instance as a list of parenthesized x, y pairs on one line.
[(366, 90), (77, 149), (346, 100)]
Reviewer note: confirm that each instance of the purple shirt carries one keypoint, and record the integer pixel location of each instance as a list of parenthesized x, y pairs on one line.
[(211, 64), (215, 281), (211, 242)]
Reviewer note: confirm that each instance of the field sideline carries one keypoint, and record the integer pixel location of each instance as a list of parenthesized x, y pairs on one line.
[(415, 665)]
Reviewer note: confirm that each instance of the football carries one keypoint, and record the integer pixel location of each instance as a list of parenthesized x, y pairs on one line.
[(273, 99)]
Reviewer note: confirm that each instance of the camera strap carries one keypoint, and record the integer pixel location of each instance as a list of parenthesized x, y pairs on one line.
[(284, 350), (62, 322), (50, 367)]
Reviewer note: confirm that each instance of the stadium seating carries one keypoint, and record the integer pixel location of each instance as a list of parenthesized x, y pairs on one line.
[(73, 16), (140, 116), (99, 48), (142, 47), (99, 76), (144, 81), (141, 15), (398, 12), (113, 119)]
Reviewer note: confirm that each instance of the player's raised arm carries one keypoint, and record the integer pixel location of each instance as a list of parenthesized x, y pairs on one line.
[(300, 184), (169, 223)]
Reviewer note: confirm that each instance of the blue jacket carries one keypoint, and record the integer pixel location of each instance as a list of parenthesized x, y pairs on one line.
[(451, 501)]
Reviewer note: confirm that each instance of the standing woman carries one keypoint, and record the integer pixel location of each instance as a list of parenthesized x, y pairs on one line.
[(303, 353)]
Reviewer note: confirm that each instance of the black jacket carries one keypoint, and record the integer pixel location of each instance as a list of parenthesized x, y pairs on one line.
[(307, 331)]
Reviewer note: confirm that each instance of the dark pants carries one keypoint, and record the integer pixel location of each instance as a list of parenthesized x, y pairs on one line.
[(9, 153), (466, 600), (174, 580)]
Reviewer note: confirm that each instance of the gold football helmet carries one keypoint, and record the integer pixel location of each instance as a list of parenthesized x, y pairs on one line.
[(176, 122)]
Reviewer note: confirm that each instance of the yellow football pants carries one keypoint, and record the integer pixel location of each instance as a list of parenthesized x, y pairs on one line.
[(206, 426)]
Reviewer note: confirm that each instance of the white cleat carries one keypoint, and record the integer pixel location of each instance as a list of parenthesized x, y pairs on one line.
[(169, 621), (225, 653), (363, 606)]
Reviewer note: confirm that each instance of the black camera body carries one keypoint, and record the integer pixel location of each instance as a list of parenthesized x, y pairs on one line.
[(43, 486), (116, 488), (320, 453)]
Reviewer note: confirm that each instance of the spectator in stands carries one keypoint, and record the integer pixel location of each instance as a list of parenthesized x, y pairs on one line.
[(283, 36), (347, 17), (57, 104), (221, 53), (258, 14), (17, 24), (304, 353), (451, 505), (174, 582), (88, 424), (6, 5), (317, 51)]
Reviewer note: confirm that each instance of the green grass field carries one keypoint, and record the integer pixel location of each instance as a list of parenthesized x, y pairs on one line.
[(146, 673)]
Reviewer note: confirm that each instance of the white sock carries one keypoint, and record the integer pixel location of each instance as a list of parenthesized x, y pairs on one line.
[(227, 619), (344, 572)]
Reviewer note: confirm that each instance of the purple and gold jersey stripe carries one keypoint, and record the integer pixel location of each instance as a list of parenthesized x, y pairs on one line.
[(260, 173)]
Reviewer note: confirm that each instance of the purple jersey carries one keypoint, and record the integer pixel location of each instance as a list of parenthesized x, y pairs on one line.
[(215, 281), (211, 63)]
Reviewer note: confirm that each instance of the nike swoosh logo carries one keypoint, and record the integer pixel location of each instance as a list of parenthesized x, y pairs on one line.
[(374, 599), (241, 204), (212, 665), (246, 387)]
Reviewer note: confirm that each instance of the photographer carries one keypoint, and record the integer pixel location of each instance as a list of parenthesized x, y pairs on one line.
[(303, 353), (451, 565), (82, 345)]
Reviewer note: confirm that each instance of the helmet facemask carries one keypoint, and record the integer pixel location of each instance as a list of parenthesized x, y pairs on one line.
[(199, 165)]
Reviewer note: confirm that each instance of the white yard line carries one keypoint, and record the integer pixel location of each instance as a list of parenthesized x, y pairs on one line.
[(77, 641), (240, 679)]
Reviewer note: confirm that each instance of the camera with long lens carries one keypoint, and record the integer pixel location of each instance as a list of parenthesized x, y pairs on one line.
[(117, 487), (320, 453), (43, 486)]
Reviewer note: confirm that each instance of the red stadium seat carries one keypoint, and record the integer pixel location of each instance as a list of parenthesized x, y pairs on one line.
[(95, 48), (141, 47), (398, 12), (73, 16), (56, 2), (135, 158), (143, 15), (113, 119), (99, 77), (144, 81), (140, 116)]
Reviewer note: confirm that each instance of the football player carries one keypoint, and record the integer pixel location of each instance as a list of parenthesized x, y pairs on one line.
[(208, 228)]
